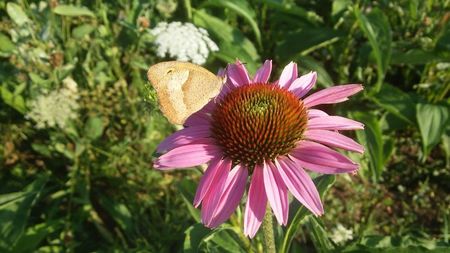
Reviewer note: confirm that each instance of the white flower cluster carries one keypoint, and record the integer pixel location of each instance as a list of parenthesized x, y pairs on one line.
[(55, 108), (341, 234), (184, 42)]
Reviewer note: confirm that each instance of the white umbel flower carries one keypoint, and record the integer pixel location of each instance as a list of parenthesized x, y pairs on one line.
[(56, 108), (341, 234), (184, 42)]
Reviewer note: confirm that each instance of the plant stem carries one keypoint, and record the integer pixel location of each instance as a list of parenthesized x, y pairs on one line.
[(268, 235), (187, 5)]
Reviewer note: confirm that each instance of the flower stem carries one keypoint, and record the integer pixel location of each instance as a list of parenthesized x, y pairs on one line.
[(268, 235), (188, 6)]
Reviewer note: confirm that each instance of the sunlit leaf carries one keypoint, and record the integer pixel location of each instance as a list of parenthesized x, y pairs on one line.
[(16, 101), (6, 45), (94, 128), (432, 120), (16, 13), (72, 11)]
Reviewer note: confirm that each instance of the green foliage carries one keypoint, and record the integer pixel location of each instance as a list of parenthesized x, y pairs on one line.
[(90, 186)]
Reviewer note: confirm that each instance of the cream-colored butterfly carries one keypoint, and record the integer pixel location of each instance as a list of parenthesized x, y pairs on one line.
[(183, 88)]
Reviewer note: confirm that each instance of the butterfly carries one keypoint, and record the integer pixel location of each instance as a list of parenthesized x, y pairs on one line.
[(183, 88)]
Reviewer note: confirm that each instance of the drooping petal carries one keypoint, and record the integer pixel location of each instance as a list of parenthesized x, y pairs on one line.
[(187, 156), (276, 192), (300, 184), (256, 203), (332, 95), (211, 200), (288, 75), (183, 137), (263, 73), (333, 139), (322, 159), (200, 117), (303, 84), (314, 113), (334, 123), (212, 175), (237, 74), (231, 196)]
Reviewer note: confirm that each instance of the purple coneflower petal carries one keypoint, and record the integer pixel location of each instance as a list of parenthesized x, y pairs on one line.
[(315, 113), (263, 73), (332, 95), (256, 203), (231, 196), (201, 117), (213, 174), (288, 75), (333, 139), (187, 156), (322, 159), (334, 123), (237, 74), (212, 197), (300, 184), (184, 136), (276, 192), (303, 84)]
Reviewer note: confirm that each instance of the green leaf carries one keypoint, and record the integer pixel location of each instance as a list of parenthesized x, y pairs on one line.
[(305, 41), (413, 57), (12, 99), (432, 120), (15, 209), (194, 236), (446, 147), (310, 64), (16, 13), (443, 42), (323, 183), (377, 30), (6, 45), (232, 43), (372, 139), (94, 128), (319, 235), (119, 212), (292, 9), (187, 189), (30, 240), (222, 239), (36, 79), (397, 102), (81, 31), (243, 9), (73, 11)]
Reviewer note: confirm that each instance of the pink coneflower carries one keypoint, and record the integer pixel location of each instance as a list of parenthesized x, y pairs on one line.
[(265, 131)]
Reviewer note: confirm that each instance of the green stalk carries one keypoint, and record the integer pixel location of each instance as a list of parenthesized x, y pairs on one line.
[(188, 6), (268, 234)]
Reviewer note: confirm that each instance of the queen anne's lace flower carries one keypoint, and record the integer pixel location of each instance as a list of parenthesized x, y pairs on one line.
[(184, 42), (56, 108), (341, 234)]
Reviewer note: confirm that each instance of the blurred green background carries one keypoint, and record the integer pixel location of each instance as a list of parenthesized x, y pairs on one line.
[(79, 123)]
